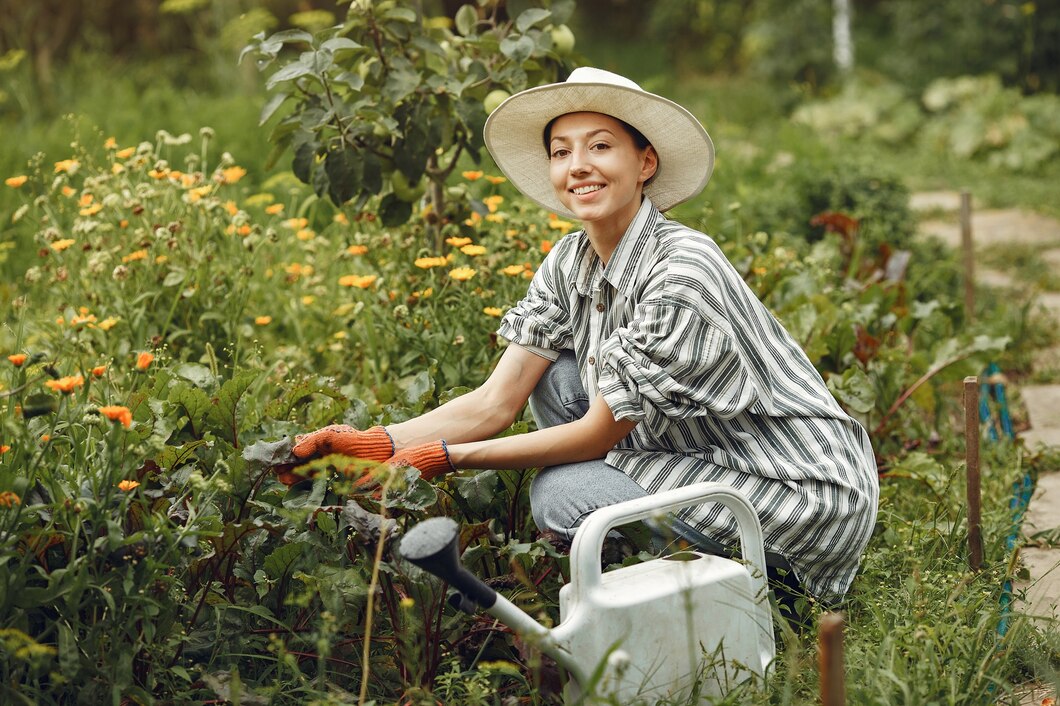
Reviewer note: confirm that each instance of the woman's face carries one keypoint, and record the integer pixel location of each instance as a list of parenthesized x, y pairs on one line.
[(597, 170)]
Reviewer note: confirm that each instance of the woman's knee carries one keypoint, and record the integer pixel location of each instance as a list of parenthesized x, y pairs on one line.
[(559, 396), (562, 496)]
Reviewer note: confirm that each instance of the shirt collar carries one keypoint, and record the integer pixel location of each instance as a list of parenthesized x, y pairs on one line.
[(634, 245)]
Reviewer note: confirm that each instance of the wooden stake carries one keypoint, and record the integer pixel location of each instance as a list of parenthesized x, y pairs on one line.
[(830, 656), (968, 248), (971, 439)]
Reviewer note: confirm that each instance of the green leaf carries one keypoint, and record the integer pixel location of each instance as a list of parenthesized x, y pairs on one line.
[(279, 563), (307, 495), (518, 50), (417, 494), (266, 454), (68, 653), (195, 402), (466, 19), (294, 70), (305, 156), (854, 389), (419, 391), (195, 373), (531, 17), (344, 171), (271, 106), (402, 14), (173, 279), (339, 44), (223, 409), (400, 83), (479, 489), (394, 212), (173, 457), (298, 393)]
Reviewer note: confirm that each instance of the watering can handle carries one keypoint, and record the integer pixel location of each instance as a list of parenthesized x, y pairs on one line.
[(589, 539)]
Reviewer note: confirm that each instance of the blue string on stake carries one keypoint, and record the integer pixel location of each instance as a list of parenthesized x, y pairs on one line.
[(992, 389)]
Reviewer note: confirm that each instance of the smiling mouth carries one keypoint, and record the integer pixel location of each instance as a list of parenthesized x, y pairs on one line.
[(583, 190)]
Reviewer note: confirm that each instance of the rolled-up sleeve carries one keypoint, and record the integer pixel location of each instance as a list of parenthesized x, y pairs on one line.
[(670, 363), (539, 320)]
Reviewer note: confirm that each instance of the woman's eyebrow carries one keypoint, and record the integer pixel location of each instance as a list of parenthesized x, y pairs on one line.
[(588, 135)]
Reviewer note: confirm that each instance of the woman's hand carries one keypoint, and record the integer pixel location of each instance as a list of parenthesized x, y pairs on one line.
[(372, 444), (430, 459)]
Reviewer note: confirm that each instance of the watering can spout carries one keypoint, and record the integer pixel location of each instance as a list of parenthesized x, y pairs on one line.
[(432, 546)]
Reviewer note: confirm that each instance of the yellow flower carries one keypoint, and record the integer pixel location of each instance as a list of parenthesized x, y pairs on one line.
[(67, 165), (136, 255), (556, 224), (305, 234), (407, 602), (60, 245), (117, 413), (474, 220), (496, 180), (274, 209), (473, 250), (233, 174), (357, 249), (66, 385), (340, 335), (513, 270), (230, 208), (341, 218), (116, 168), (83, 319), (16, 181), (68, 190), (458, 242), (91, 210), (156, 174), (108, 323), (196, 194), (359, 281), (462, 274), (110, 143), (492, 202), (493, 311), (426, 263), (472, 175), (126, 485), (144, 360), (262, 320), (308, 299), (125, 153), (296, 223), (495, 217)]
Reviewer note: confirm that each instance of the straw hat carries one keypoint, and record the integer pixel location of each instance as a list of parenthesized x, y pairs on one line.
[(514, 135)]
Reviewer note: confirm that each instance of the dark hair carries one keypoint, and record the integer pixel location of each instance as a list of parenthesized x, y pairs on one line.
[(638, 137)]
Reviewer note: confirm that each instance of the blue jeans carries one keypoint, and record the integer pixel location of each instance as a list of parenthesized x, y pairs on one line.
[(561, 497)]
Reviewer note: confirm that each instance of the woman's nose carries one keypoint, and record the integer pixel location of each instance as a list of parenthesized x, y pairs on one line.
[(578, 163)]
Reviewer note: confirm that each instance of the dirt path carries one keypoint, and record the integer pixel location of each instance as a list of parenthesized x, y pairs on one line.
[(1000, 228)]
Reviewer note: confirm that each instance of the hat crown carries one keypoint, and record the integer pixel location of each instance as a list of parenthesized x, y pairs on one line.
[(588, 74)]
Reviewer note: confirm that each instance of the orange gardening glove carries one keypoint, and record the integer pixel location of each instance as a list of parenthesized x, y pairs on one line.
[(430, 459), (372, 444)]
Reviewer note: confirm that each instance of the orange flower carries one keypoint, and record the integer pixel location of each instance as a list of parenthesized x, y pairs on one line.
[(117, 413), (230, 208), (556, 224), (546, 246), (305, 234), (85, 200), (108, 323), (68, 190), (4, 448), (458, 242), (296, 223), (262, 320), (493, 311), (125, 153), (66, 384), (359, 281), (233, 174), (126, 485), (91, 210), (472, 175), (45, 438), (473, 250), (17, 359), (110, 143), (144, 360), (9, 499), (67, 165), (496, 180), (16, 181), (513, 270), (62, 244), (341, 219), (426, 263), (462, 274), (492, 202), (135, 255), (245, 230), (357, 249), (99, 371), (274, 209)]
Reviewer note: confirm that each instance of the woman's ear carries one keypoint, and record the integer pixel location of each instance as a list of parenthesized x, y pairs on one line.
[(650, 164)]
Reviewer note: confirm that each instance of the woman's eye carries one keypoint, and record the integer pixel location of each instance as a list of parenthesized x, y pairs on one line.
[(600, 146), (556, 154)]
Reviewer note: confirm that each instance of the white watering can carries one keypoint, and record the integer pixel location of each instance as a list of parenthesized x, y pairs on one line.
[(664, 628)]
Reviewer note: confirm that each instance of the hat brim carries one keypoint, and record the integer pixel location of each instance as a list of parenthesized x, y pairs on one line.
[(514, 137)]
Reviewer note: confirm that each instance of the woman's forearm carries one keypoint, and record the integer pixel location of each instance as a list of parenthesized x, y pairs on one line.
[(469, 417), (585, 439)]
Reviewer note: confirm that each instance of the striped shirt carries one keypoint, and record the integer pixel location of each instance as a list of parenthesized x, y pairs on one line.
[(672, 337)]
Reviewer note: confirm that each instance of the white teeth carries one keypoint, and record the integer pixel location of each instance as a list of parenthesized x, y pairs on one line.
[(581, 190)]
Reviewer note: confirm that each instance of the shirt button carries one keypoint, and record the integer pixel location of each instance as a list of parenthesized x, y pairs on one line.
[(592, 360), (600, 307)]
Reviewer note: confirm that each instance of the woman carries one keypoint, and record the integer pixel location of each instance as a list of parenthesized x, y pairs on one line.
[(647, 361)]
